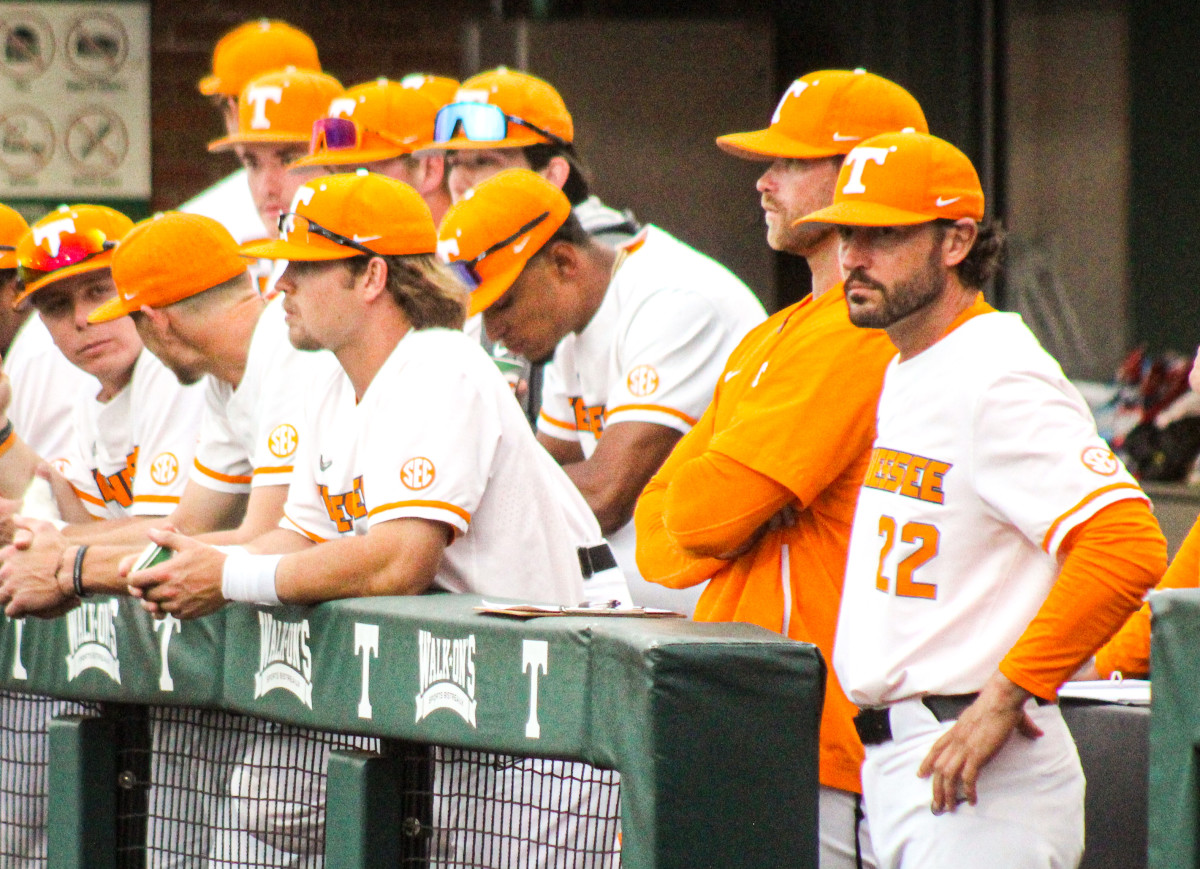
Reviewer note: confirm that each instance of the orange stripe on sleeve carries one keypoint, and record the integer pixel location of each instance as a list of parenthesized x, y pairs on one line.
[(1112, 559), (217, 475), (84, 496), (690, 420), (437, 505), (156, 499), (556, 422), (1087, 500), (313, 537), (278, 469), (7, 443)]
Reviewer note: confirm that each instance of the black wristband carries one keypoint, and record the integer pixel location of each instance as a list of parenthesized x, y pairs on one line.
[(77, 573), (6, 432)]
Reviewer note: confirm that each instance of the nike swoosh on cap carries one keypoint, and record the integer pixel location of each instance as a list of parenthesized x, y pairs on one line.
[(520, 245), (942, 203), (731, 374), (838, 137)]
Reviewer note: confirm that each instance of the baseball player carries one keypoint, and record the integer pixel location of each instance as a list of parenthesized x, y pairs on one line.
[(637, 335), (980, 573), (504, 119), (380, 126), (247, 51), (745, 502), (135, 435), (43, 384), (383, 503)]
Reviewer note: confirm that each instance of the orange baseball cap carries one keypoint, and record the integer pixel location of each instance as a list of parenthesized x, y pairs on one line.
[(71, 240), (12, 227), (521, 97), (254, 48), (341, 216), (495, 229), (280, 107), (827, 113), (439, 88), (900, 179), (169, 257), (374, 121)]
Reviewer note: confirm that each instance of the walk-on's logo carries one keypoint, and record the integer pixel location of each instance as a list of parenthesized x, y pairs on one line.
[(447, 675), (284, 659), (92, 639)]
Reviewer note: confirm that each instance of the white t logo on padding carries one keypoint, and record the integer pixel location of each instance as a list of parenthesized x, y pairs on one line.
[(52, 232), (258, 97), (342, 107), (857, 160), (794, 90)]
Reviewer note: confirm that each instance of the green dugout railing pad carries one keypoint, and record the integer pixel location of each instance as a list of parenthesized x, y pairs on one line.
[(111, 649)]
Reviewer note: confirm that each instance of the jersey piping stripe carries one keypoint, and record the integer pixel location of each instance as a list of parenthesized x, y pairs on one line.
[(556, 422), (313, 537), (279, 469), (1103, 490), (437, 505), (156, 499), (785, 578), (8, 442), (84, 496), (217, 475), (690, 420)]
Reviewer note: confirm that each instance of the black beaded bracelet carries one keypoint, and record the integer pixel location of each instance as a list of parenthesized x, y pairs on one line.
[(77, 574)]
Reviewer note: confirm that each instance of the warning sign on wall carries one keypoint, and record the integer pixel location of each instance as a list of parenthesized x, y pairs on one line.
[(75, 100)]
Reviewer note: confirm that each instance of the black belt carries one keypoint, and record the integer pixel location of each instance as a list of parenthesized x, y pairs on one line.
[(594, 559), (875, 727)]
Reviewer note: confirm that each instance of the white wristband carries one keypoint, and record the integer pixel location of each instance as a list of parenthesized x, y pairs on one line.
[(250, 578)]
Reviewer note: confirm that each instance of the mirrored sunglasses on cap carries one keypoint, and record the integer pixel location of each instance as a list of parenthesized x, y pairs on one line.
[(343, 134), (287, 225), (73, 247), (465, 269), (483, 122)]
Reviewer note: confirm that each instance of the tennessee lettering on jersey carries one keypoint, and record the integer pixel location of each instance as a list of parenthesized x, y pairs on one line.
[(588, 417), (118, 487), (343, 509), (906, 474)]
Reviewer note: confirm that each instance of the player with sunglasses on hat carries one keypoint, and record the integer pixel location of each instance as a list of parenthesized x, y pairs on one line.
[(505, 119), (996, 542), (249, 50), (135, 436), (382, 126), (637, 335)]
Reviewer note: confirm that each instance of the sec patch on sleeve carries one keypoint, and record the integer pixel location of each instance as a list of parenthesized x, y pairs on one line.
[(417, 473), (642, 381), (282, 441), (1100, 460)]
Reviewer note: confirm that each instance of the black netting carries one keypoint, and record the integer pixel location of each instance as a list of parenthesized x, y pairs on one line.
[(215, 790), (24, 752)]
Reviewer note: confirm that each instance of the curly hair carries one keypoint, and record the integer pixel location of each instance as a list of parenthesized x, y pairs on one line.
[(985, 257)]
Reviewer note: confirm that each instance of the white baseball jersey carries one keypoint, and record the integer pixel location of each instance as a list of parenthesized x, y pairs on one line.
[(45, 389), (985, 458), (652, 352), (250, 433), (438, 436), (132, 452)]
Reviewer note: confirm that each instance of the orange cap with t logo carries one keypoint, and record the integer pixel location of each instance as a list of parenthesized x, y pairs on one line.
[(12, 227), (533, 113), (900, 179), (340, 216), (280, 107), (71, 240), (827, 113), (489, 235)]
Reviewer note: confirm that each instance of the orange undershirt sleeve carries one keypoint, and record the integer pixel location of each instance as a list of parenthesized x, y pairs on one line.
[(748, 499), (1111, 560), (1129, 651)]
